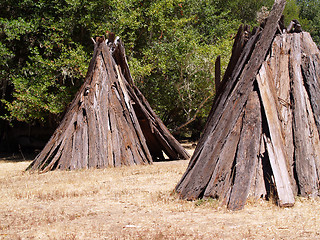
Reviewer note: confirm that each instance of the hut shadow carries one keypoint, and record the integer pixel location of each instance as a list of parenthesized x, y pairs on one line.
[(17, 157)]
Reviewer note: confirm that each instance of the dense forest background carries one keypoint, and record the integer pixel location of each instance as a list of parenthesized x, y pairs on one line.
[(171, 45)]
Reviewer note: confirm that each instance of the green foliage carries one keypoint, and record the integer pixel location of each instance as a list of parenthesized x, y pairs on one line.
[(291, 11), (246, 10), (209, 202), (310, 13), (41, 86), (171, 46), (42, 56), (307, 12)]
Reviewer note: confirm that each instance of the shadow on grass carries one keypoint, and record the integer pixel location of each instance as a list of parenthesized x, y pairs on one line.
[(17, 157)]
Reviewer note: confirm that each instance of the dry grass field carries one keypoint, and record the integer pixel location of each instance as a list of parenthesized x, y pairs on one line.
[(134, 203)]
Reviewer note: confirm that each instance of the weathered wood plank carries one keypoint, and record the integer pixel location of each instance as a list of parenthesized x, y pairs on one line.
[(246, 160), (115, 138), (311, 76), (279, 163), (304, 157), (315, 143), (85, 144), (64, 161), (279, 63), (103, 118), (76, 155), (258, 187), (221, 178), (312, 86), (90, 103)]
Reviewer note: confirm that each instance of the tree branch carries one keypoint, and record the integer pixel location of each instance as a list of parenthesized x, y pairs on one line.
[(195, 114)]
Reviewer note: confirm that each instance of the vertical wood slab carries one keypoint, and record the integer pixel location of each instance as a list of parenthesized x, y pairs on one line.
[(304, 156), (258, 187), (311, 80), (103, 108), (278, 163), (310, 70), (85, 145), (308, 46), (91, 117), (77, 142), (247, 153), (221, 178), (279, 69), (315, 140)]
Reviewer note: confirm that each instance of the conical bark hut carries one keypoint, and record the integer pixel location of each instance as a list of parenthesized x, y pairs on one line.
[(109, 122), (262, 134)]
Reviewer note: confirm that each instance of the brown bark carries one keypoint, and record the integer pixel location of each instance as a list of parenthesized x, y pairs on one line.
[(304, 155), (246, 160), (277, 143)]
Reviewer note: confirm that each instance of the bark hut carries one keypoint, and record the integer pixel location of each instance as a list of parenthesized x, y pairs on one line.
[(109, 123), (262, 134)]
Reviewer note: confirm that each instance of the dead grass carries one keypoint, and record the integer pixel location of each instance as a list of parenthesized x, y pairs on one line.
[(135, 203)]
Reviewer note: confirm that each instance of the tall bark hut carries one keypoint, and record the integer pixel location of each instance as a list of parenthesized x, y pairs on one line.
[(262, 134), (109, 122)]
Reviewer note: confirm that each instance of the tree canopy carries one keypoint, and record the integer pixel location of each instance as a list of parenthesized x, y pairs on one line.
[(171, 45)]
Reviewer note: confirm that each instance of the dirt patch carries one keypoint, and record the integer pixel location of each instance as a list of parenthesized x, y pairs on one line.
[(135, 203)]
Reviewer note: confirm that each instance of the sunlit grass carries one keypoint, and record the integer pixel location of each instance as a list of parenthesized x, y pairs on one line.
[(135, 203)]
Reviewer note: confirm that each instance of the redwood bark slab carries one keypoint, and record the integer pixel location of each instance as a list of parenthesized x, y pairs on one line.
[(278, 156), (304, 155), (246, 160)]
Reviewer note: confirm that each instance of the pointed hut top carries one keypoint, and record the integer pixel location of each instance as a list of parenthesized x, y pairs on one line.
[(109, 122)]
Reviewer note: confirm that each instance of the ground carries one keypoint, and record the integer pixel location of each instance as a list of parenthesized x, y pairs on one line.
[(134, 203)]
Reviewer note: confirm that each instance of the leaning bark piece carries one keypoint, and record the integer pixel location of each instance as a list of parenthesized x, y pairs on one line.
[(221, 179), (246, 160), (103, 126), (278, 163), (278, 67), (154, 130), (304, 153), (311, 74)]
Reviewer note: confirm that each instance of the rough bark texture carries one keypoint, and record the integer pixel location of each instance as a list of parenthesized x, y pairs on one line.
[(109, 122), (262, 134)]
